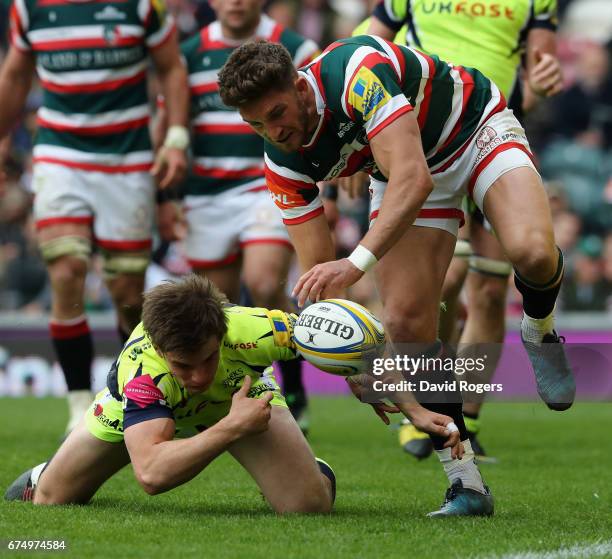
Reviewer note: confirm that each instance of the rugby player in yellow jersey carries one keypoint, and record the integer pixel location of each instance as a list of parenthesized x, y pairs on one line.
[(491, 35), (194, 365)]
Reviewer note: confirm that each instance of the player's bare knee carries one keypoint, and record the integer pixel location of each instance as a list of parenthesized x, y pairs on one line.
[(490, 296), (265, 290), (408, 325), (534, 253), (67, 271), (311, 502)]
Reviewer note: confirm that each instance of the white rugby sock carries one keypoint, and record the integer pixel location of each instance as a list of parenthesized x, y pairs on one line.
[(78, 403), (533, 329), (464, 469), (36, 471)]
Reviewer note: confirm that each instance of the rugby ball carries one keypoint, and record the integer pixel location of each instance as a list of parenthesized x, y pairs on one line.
[(338, 336)]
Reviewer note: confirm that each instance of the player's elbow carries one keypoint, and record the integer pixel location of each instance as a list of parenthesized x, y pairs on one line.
[(152, 483)]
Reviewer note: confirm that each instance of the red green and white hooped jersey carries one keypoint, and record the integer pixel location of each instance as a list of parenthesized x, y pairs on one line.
[(361, 85), (91, 59), (227, 154)]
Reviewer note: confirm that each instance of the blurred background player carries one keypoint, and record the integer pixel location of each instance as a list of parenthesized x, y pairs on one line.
[(498, 38), (93, 161), (234, 230)]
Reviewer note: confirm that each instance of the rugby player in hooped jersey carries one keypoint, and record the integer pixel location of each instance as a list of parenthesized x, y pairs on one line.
[(194, 365), (93, 159), (427, 133), (234, 231)]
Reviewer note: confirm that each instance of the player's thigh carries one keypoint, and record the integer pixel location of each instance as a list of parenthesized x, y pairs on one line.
[(80, 466), (264, 270), (283, 466), (516, 204), (410, 278), (225, 277)]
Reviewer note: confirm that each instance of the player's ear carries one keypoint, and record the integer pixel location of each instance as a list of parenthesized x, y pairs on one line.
[(301, 84)]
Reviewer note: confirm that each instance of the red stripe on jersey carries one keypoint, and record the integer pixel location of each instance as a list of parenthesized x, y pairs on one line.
[(369, 61), (316, 72), (71, 2), (110, 244), (499, 107), (468, 89), (111, 169), (400, 58), (433, 213), (60, 331), (303, 218), (218, 173), (206, 43), (204, 88), (94, 42), (267, 241), (16, 23), (402, 110), (42, 223), (488, 158), (422, 118), (95, 130), (275, 36), (286, 192), (356, 161), (93, 87), (257, 189), (224, 129), (204, 264)]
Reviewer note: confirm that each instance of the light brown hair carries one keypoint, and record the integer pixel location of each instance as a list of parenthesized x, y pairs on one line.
[(180, 316)]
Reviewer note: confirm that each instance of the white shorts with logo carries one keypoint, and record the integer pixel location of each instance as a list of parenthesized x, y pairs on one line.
[(220, 226), (118, 206), (498, 146)]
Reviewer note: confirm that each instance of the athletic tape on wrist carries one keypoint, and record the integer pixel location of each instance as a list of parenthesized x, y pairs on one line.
[(362, 258), (177, 137)]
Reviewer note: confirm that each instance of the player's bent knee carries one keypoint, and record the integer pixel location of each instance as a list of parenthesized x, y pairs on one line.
[(70, 245), (264, 290), (407, 325)]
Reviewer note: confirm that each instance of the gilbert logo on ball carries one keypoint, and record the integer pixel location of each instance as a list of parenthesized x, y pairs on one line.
[(338, 336)]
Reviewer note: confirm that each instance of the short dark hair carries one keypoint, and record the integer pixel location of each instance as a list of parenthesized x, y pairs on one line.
[(253, 70), (180, 316)]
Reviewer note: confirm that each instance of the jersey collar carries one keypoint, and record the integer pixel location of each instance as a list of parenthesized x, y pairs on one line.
[(320, 108)]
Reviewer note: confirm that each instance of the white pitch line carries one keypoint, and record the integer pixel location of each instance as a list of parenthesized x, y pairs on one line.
[(599, 549)]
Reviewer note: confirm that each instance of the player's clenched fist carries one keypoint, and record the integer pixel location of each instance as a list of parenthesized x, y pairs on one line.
[(250, 415)]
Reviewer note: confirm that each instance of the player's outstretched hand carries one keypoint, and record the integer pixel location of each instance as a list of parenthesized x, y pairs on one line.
[(326, 280), (436, 424), (357, 385), (170, 167), (250, 415)]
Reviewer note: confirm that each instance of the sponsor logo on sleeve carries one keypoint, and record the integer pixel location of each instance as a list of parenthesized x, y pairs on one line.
[(367, 93)]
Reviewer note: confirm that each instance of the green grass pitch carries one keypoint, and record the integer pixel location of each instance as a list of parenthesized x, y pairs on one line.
[(553, 489)]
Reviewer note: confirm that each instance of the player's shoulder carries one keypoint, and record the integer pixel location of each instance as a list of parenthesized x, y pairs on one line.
[(139, 351), (192, 44)]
